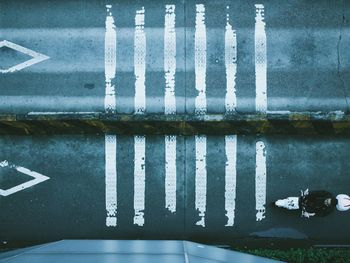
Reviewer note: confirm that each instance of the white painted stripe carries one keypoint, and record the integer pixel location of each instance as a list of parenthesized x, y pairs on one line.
[(260, 61), (110, 61), (200, 60), (169, 59), (139, 179), (201, 178), (231, 66), (260, 181), (170, 173), (111, 179), (140, 61), (230, 178), (36, 57), (38, 178)]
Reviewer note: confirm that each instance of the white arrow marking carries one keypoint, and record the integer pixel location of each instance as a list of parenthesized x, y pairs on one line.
[(37, 57), (38, 178)]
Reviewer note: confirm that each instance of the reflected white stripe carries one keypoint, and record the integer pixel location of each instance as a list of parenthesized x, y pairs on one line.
[(260, 61), (200, 60), (111, 179), (140, 61), (110, 61), (169, 59), (230, 178), (201, 178), (170, 173), (260, 181), (139, 179), (231, 66)]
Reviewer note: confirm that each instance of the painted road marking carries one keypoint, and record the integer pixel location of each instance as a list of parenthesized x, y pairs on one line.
[(260, 181), (140, 61), (230, 178), (201, 178), (169, 59), (169, 67), (170, 173), (139, 179), (170, 105), (231, 66), (36, 57), (260, 61), (111, 179), (38, 178), (110, 61), (200, 60)]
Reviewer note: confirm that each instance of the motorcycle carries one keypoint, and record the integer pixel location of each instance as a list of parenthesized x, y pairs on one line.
[(294, 203)]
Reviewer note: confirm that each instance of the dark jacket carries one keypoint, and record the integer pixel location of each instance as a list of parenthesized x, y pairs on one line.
[(314, 202)]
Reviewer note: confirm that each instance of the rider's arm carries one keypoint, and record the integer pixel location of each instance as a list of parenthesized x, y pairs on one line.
[(306, 214)]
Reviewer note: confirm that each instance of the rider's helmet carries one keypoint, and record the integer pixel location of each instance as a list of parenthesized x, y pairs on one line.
[(343, 202)]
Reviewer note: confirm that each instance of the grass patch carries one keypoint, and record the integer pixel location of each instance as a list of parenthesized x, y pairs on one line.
[(300, 255)]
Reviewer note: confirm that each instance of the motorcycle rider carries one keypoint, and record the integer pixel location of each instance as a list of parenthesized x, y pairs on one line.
[(317, 203), (322, 203)]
